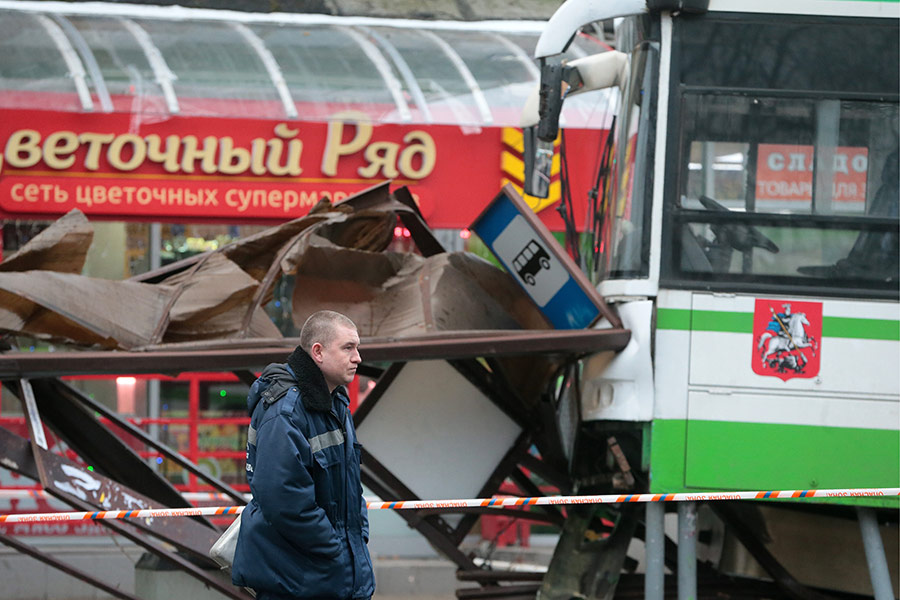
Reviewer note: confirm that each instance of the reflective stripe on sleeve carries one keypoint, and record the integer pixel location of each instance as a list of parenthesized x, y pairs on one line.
[(326, 440)]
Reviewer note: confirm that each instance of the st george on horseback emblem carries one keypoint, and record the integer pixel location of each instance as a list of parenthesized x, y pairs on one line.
[(786, 338)]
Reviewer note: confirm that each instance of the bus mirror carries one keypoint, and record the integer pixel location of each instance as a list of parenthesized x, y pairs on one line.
[(597, 72), (550, 97), (538, 156), (559, 81), (540, 124)]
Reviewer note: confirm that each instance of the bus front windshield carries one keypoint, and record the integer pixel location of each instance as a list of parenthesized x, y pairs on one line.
[(624, 240)]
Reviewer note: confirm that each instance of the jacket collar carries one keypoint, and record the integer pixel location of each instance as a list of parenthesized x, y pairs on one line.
[(310, 381)]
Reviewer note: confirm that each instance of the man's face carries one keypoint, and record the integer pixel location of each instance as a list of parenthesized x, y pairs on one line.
[(338, 358)]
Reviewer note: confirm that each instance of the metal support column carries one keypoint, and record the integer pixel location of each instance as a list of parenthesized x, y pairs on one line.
[(875, 559), (655, 542), (687, 551), (153, 388)]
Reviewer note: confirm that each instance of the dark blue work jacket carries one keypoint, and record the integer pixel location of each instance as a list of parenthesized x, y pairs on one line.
[(305, 531)]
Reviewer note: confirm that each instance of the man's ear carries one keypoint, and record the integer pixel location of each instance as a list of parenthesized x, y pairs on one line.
[(315, 352)]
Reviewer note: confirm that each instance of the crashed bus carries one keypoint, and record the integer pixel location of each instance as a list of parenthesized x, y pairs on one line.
[(746, 230)]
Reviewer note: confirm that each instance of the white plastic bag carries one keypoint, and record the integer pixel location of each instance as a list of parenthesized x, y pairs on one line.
[(223, 550)]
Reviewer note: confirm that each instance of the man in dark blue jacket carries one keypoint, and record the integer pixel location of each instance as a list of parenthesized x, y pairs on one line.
[(304, 533)]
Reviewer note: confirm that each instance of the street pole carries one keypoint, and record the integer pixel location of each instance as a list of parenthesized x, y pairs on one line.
[(687, 551)]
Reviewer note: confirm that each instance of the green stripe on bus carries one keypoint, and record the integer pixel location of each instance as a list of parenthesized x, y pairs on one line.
[(713, 455), (673, 318), (871, 329), (767, 456), (714, 320), (735, 322)]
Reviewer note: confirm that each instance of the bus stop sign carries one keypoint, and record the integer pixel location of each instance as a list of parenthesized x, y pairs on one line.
[(530, 253)]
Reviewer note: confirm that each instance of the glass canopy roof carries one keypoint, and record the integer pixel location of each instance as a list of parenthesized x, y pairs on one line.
[(171, 60)]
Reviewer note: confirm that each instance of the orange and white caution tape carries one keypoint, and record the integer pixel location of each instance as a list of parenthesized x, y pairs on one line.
[(22, 493), (153, 513), (617, 499), (145, 513)]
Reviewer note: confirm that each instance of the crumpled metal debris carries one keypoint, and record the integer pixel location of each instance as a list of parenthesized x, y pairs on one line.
[(402, 294), (61, 247), (337, 253), (212, 302), (81, 310)]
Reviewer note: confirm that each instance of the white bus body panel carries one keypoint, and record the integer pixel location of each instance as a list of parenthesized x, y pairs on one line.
[(708, 375), (851, 366), (621, 389)]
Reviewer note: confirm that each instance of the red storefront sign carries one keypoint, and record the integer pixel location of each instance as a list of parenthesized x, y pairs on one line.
[(785, 172), (246, 170)]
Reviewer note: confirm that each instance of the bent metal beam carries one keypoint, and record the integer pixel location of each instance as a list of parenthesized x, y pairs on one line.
[(244, 354)]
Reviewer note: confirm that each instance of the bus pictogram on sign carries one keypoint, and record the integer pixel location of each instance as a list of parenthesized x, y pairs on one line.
[(530, 261)]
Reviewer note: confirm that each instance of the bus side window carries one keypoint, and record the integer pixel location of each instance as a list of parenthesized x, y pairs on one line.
[(874, 254)]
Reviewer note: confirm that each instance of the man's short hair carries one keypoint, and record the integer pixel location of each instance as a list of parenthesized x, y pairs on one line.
[(320, 326)]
